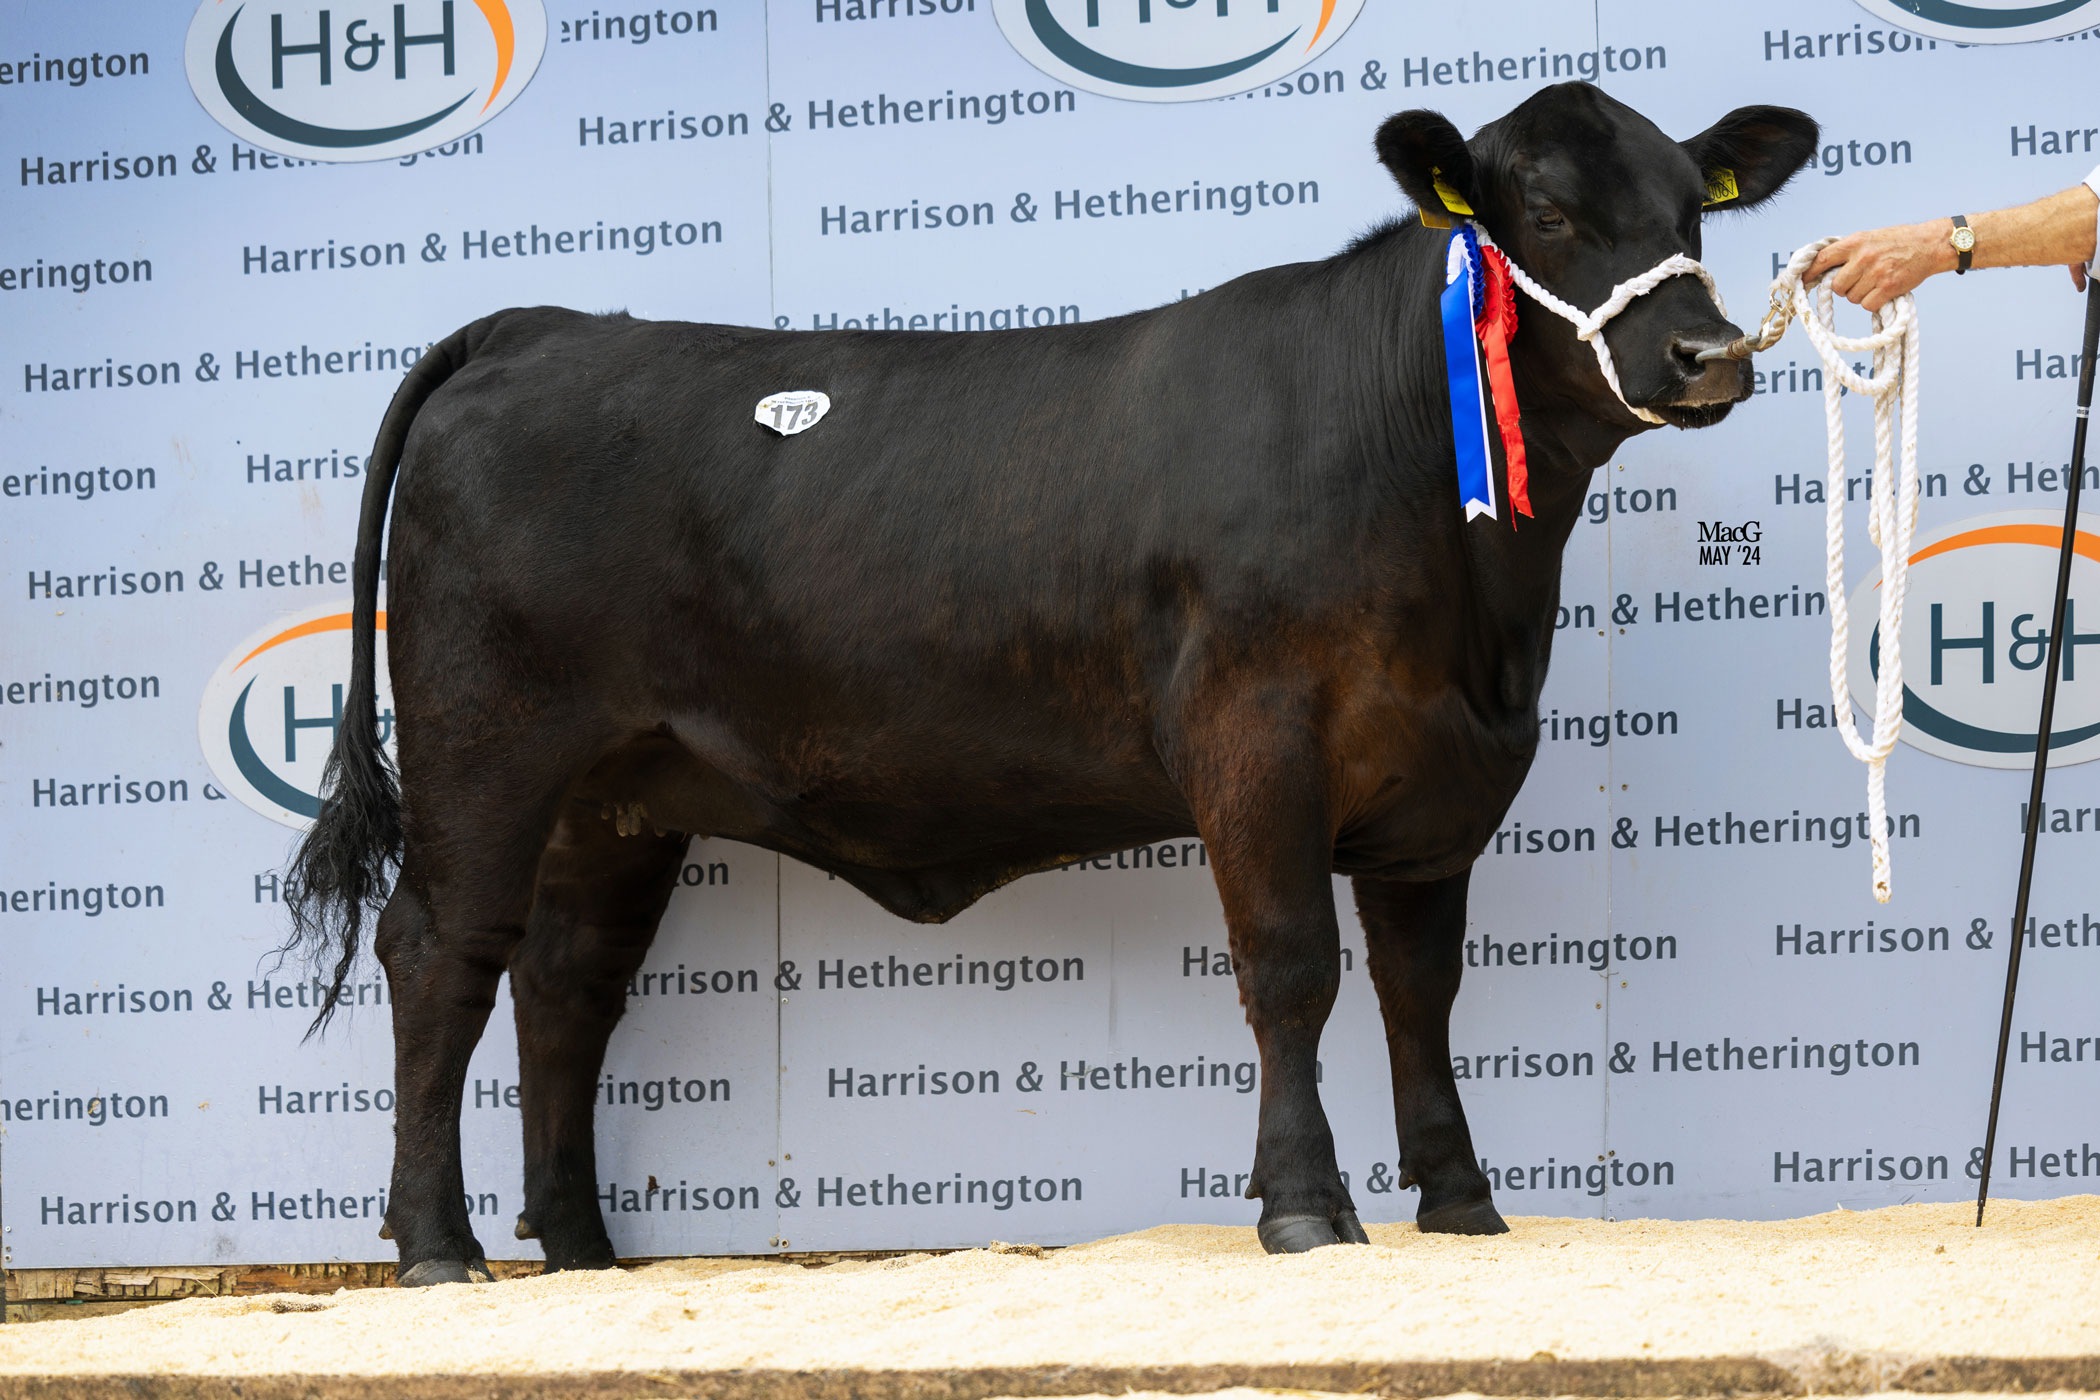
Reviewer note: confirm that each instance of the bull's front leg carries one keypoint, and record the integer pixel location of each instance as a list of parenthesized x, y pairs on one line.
[(1413, 937), (1272, 851)]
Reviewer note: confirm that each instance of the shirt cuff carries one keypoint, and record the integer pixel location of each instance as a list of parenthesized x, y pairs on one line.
[(2092, 182)]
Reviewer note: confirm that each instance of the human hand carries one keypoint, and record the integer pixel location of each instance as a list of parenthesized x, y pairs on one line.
[(1874, 267)]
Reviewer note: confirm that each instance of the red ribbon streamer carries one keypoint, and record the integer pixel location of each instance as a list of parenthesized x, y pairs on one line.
[(1497, 323)]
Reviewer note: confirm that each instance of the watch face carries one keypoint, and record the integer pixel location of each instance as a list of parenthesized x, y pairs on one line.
[(1964, 240)]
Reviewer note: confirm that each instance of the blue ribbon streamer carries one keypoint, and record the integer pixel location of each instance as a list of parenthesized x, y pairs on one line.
[(1460, 303)]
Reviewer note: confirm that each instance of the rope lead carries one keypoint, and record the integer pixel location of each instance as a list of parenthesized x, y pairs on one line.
[(1892, 504), (1892, 500), (1892, 509)]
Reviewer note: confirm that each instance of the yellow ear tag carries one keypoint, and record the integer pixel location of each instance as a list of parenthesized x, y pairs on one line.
[(1720, 186), (1453, 200)]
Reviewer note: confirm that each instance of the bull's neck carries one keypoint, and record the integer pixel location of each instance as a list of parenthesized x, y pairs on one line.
[(1508, 578)]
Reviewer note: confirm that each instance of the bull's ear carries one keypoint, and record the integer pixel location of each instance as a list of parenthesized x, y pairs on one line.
[(1750, 154), (1424, 151)]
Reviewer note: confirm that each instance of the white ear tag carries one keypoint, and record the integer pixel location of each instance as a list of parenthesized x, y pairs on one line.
[(794, 411)]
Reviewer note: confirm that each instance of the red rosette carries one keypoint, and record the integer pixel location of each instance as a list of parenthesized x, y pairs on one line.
[(1496, 324)]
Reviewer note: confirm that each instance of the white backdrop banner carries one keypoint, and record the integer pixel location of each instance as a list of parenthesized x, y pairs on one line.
[(1680, 998)]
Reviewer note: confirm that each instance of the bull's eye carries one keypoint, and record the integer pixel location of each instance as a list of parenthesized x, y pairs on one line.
[(1551, 223)]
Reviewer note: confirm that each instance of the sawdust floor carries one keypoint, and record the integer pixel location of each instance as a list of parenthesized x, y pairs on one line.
[(1904, 1283)]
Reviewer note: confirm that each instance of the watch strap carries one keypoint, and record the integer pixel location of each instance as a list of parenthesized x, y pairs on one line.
[(1963, 255)]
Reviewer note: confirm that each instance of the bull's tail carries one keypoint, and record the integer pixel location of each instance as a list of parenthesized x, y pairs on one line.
[(345, 864)]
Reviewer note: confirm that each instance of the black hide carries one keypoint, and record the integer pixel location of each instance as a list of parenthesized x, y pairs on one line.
[(1022, 597)]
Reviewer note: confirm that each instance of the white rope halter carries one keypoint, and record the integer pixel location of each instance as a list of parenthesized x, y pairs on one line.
[(1892, 500), (1892, 510), (1590, 327)]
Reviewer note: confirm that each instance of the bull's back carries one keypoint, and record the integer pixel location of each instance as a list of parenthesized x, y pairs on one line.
[(1002, 496)]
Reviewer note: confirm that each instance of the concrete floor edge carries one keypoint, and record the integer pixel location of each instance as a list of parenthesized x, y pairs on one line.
[(1821, 1373)]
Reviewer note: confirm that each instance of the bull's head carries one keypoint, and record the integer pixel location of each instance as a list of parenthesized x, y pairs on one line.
[(1583, 193)]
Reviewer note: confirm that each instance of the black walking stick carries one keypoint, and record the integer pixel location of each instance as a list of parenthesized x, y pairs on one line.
[(2041, 744)]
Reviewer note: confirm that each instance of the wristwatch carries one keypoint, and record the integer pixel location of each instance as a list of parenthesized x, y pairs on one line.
[(1964, 241)]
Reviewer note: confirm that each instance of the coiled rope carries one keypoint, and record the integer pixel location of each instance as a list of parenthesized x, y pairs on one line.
[(1892, 500), (1892, 496)]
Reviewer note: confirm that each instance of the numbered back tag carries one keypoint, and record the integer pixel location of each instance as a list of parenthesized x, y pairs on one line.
[(795, 411)]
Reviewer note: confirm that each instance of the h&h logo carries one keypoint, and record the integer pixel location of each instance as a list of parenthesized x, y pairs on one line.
[(2001, 22), (1172, 50), (354, 80), (1976, 635), (270, 712)]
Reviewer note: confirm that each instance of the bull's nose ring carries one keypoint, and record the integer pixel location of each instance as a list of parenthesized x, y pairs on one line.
[(1741, 349)]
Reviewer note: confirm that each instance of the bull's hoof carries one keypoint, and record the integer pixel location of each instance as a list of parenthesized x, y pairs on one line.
[(566, 1246), (526, 1230), (436, 1271), (1295, 1234), (1462, 1218)]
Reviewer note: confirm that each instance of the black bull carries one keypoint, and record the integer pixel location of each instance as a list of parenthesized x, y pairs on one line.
[(1021, 598)]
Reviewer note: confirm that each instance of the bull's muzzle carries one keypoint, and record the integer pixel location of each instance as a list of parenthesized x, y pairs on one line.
[(1694, 355)]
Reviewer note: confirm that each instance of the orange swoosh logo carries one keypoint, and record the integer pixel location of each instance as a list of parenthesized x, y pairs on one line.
[(2047, 536), (334, 622), (1326, 14), (498, 16)]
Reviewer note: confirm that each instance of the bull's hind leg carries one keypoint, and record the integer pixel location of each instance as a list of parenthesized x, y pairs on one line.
[(456, 915), (1413, 935), (600, 897)]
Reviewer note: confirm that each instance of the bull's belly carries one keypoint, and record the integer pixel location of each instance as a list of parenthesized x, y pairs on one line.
[(928, 838)]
